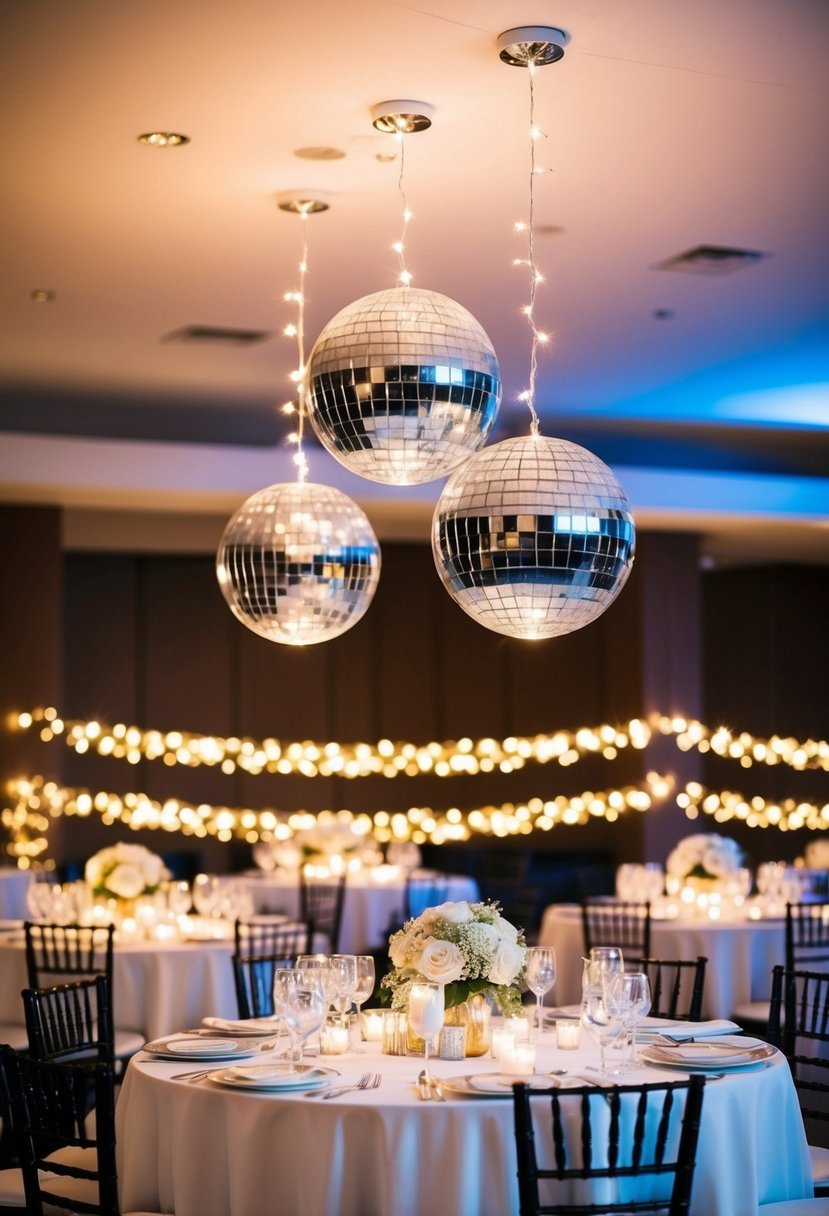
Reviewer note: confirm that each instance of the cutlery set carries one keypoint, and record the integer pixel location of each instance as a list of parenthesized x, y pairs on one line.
[(428, 1087)]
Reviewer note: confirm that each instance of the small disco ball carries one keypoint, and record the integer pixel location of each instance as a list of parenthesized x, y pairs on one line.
[(403, 386), (298, 563), (533, 537)]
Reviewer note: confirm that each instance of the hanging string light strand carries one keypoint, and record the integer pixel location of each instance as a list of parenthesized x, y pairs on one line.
[(538, 337), (404, 278), (296, 330)]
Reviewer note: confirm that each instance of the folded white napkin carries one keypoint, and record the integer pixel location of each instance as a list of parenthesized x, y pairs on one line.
[(243, 1026), (685, 1030)]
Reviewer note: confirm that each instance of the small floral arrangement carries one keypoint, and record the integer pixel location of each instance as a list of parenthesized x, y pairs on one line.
[(705, 855), (468, 947), (326, 840), (125, 871)]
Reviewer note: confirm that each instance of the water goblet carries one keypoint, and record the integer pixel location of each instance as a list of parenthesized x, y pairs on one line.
[(601, 1021), (540, 971), (365, 985), (206, 894), (40, 896), (299, 1001), (179, 900), (344, 971), (630, 996), (426, 1005)]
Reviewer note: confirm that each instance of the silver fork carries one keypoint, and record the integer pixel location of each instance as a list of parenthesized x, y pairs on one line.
[(369, 1080)]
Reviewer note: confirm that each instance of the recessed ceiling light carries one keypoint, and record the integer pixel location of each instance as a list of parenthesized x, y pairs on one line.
[(385, 157), (163, 139), (401, 117), (43, 295), (319, 153)]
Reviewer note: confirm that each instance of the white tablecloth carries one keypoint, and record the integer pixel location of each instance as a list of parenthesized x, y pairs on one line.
[(740, 955), (205, 1150), (13, 887), (369, 907), (157, 988)]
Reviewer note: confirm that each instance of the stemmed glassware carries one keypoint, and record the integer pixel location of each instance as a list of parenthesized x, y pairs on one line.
[(206, 894), (40, 896), (630, 996), (298, 999), (426, 1004), (540, 971), (364, 987), (344, 973), (600, 1019)]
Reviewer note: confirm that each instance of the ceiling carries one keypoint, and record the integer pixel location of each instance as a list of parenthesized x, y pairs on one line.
[(666, 127)]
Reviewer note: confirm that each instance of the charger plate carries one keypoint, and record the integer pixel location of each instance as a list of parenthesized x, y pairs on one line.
[(275, 1077), (203, 1048), (732, 1051)]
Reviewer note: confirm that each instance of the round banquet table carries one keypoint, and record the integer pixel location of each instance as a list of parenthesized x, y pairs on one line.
[(370, 906), (741, 955), (13, 887), (157, 987), (202, 1149)]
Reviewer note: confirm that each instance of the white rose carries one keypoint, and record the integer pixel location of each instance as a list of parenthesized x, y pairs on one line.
[(439, 961), (399, 948), (456, 913), (506, 931), (507, 961), (126, 881)]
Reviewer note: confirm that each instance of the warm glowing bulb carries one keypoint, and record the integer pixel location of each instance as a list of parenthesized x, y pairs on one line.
[(398, 246), (405, 278), (289, 331)]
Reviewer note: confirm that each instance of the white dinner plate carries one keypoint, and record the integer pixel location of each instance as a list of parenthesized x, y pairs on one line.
[(275, 1076), (490, 1085), (731, 1051), (202, 1048)]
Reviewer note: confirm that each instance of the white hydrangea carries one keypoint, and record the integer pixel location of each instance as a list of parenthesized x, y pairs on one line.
[(125, 871)]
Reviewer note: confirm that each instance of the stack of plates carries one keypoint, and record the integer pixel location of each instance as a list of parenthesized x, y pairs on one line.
[(199, 1047), (275, 1077), (730, 1051)]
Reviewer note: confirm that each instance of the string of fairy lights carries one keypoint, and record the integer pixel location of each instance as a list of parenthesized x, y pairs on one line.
[(37, 801)]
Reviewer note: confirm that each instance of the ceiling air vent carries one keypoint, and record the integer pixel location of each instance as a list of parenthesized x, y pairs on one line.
[(712, 259), (217, 334)]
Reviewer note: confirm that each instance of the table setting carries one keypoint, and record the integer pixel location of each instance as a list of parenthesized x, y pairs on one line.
[(413, 1092)]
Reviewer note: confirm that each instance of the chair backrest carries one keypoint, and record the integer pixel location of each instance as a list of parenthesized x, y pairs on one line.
[(55, 953), (620, 1136), (321, 905), (424, 889), (46, 1104), (807, 935), (677, 985), (70, 1020), (799, 1026), (617, 922), (260, 949)]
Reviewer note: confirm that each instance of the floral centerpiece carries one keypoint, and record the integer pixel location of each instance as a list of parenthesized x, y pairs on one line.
[(705, 856), (124, 871), (468, 947), (327, 839)]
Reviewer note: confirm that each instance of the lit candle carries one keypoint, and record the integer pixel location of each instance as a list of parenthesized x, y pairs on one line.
[(333, 1039), (518, 1027), (568, 1031), (501, 1037), (372, 1021), (518, 1059)]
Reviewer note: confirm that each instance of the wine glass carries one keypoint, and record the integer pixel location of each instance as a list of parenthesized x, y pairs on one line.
[(344, 972), (540, 971), (298, 999), (630, 997), (426, 1015), (179, 900), (365, 985), (40, 896), (206, 894), (600, 1019)]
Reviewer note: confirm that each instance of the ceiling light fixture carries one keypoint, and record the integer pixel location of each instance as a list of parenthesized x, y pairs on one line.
[(533, 537), (163, 139), (43, 295), (404, 384), (298, 563)]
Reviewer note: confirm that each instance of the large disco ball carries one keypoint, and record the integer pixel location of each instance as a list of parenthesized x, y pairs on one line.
[(403, 386), (533, 537), (298, 563)]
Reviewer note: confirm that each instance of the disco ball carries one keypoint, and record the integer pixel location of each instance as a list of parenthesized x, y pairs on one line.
[(298, 563), (403, 386), (533, 537)]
